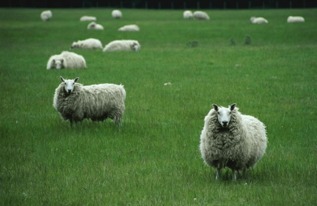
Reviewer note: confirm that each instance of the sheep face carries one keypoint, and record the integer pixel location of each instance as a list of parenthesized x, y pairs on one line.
[(135, 46), (74, 45), (69, 84), (224, 114), (58, 63)]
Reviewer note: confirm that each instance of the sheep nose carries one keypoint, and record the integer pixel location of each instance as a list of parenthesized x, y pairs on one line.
[(225, 123)]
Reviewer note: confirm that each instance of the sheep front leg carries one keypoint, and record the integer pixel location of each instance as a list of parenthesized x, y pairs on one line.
[(234, 176), (218, 173)]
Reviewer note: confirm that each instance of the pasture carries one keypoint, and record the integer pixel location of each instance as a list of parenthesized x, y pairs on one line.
[(153, 159)]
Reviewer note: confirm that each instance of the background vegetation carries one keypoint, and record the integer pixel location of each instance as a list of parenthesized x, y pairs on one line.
[(153, 159)]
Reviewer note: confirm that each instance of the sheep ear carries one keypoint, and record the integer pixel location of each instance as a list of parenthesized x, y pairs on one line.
[(215, 107), (76, 79), (62, 79), (232, 106)]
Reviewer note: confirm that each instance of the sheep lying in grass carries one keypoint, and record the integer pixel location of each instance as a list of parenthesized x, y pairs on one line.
[(188, 14), (116, 14), (66, 59), (90, 43), (88, 18), (295, 19), (76, 102), (201, 15), (122, 45), (46, 15), (94, 26), (258, 20), (231, 139), (131, 27)]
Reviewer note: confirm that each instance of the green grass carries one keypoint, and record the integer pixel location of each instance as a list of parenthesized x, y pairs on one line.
[(153, 159)]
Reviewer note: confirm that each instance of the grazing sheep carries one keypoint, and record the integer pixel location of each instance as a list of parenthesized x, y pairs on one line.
[(46, 15), (88, 18), (90, 43), (122, 45), (116, 14), (131, 27), (188, 14), (97, 102), (258, 20), (66, 59), (231, 139), (94, 26), (201, 15), (295, 19)]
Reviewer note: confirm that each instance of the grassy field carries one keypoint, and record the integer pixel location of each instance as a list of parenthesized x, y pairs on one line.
[(153, 159)]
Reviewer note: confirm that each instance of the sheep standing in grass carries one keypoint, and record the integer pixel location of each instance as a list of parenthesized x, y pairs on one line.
[(116, 14), (201, 15), (76, 102), (188, 14), (295, 19), (258, 20), (231, 139), (130, 27), (90, 43), (122, 45), (94, 26), (66, 59), (88, 18), (46, 15)]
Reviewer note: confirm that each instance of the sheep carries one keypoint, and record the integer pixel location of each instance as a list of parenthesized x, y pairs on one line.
[(258, 20), (231, 139), (295, 19), (76, 102), (94, 26), (88, 18), (66, 59), (188, 14), (46, 15), (201, 15), (90, 43), (131, 27), (122, 45), (116, 14)]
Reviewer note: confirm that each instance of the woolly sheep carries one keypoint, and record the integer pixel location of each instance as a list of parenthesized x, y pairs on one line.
[(76, 102), (231, 139), (46, 15), (94, 26), (116, 14), (90, 43), (201, 15), (188, 14), (258, 20), (66, 59), (88, 18), (131, 27), (295, 19), (122, 45)]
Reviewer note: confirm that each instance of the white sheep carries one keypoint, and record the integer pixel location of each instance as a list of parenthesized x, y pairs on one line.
[(88, 18), (295, 19), (76, 102), (231, 139), (130, 27), (258, 20), (94, 26), (188, 14), (201, 15), (122, 45), (66, 59), (46, 15), (89, 43), (116, 14)]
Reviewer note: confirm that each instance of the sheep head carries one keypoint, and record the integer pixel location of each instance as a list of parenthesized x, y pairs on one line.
[(69, 84), (224, 114)]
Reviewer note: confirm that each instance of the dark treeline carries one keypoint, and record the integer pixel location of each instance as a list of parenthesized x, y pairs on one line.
[(162, 4)]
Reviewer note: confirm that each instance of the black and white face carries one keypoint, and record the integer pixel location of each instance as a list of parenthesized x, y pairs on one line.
[(58, 63), (224, 114), (69, 84)]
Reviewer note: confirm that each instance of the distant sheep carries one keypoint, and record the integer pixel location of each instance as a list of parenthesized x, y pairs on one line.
[(76, 102), (258, 20), (116, 14), (46, 15), (122, 45), (66, 59), (88, 18), (295, 19), (131, 27), (188, 14), (201, 15), (231, 139), (90, 43), (94, 26)]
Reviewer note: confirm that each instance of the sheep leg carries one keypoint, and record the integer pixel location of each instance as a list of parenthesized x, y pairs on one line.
[(234, 177), (218, 173)]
